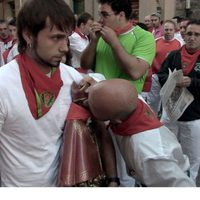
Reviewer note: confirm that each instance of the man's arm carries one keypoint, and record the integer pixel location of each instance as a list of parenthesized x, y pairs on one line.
[(108, 155), (131, 65), (89, 54)]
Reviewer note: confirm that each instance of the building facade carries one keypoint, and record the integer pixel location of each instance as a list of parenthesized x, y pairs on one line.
[(167, 8)]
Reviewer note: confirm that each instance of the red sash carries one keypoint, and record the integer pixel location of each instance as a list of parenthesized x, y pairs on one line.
[(188, 60), (41, 91), (142, 119)]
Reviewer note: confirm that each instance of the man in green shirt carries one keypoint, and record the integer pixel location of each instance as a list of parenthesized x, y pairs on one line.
[(119, 49)]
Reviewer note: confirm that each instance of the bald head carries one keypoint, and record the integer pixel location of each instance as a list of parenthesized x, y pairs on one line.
[(113, 99)]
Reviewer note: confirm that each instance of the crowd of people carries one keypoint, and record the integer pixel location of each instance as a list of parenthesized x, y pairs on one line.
[(70, 83)]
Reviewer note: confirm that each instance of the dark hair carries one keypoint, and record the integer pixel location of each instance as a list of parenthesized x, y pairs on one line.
[(118, 6), (193, 22), (134, 16), (12, 22), (142, 25), (185, 19), (33, 15), (178, 18), (3, 21), (83, 18)]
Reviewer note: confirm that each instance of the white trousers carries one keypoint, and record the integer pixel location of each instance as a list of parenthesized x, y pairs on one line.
[(155, 158), (188, 134), (153, 96)]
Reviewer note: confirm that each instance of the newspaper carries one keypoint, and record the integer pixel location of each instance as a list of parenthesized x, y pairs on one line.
[(175, 99)]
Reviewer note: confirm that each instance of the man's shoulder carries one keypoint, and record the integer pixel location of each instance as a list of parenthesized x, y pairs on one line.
[(179, 41), (143, 35), (176, 52), (174, 55), (66, 69), (75, 36), (9, 67), (9, 74), (68, 72), (141, 31)]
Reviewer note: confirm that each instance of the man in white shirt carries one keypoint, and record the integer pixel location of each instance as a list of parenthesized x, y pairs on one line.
[(6, 39), (79, 39), (35, 96)]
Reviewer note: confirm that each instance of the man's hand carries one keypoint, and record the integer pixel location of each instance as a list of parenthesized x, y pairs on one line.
[(109, 35), (186, 81), (85, 83), (80, 92), (95, 31)]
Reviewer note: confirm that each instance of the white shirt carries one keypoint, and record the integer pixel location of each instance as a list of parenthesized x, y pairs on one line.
[(77, 46), (12, 53), (29, 148)]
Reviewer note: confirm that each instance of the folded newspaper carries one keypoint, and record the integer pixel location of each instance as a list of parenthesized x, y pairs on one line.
[(175, 99)]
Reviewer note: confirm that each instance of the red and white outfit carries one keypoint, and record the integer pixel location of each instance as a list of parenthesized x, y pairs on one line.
[(78, 42), (152, 90), (5, 45), (151, 152), (163, 48), (158, 32), (11, 53), (29, 146)]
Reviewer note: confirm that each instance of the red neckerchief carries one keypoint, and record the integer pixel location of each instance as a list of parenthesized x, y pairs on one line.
[(142, 119), (6, 52), (77, 30), (5, 55), (41, 91), (8, 39), (120, 31), (188, 60)]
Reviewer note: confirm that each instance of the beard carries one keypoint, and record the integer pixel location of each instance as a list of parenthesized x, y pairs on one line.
[(44, 62), (39, 59)]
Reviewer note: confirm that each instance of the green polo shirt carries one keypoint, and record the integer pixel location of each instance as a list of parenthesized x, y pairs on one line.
[(137, 42)]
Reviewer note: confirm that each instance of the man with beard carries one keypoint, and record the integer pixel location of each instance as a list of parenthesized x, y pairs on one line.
[(36, 95)]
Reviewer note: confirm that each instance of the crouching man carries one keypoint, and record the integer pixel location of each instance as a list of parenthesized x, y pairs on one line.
[(152, 153)]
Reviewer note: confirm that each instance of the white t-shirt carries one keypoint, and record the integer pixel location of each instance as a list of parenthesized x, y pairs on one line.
[(77, 46), (29, 148)]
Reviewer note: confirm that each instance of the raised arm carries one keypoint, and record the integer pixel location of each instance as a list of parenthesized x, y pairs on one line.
[(89, 54), (131, 65)]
